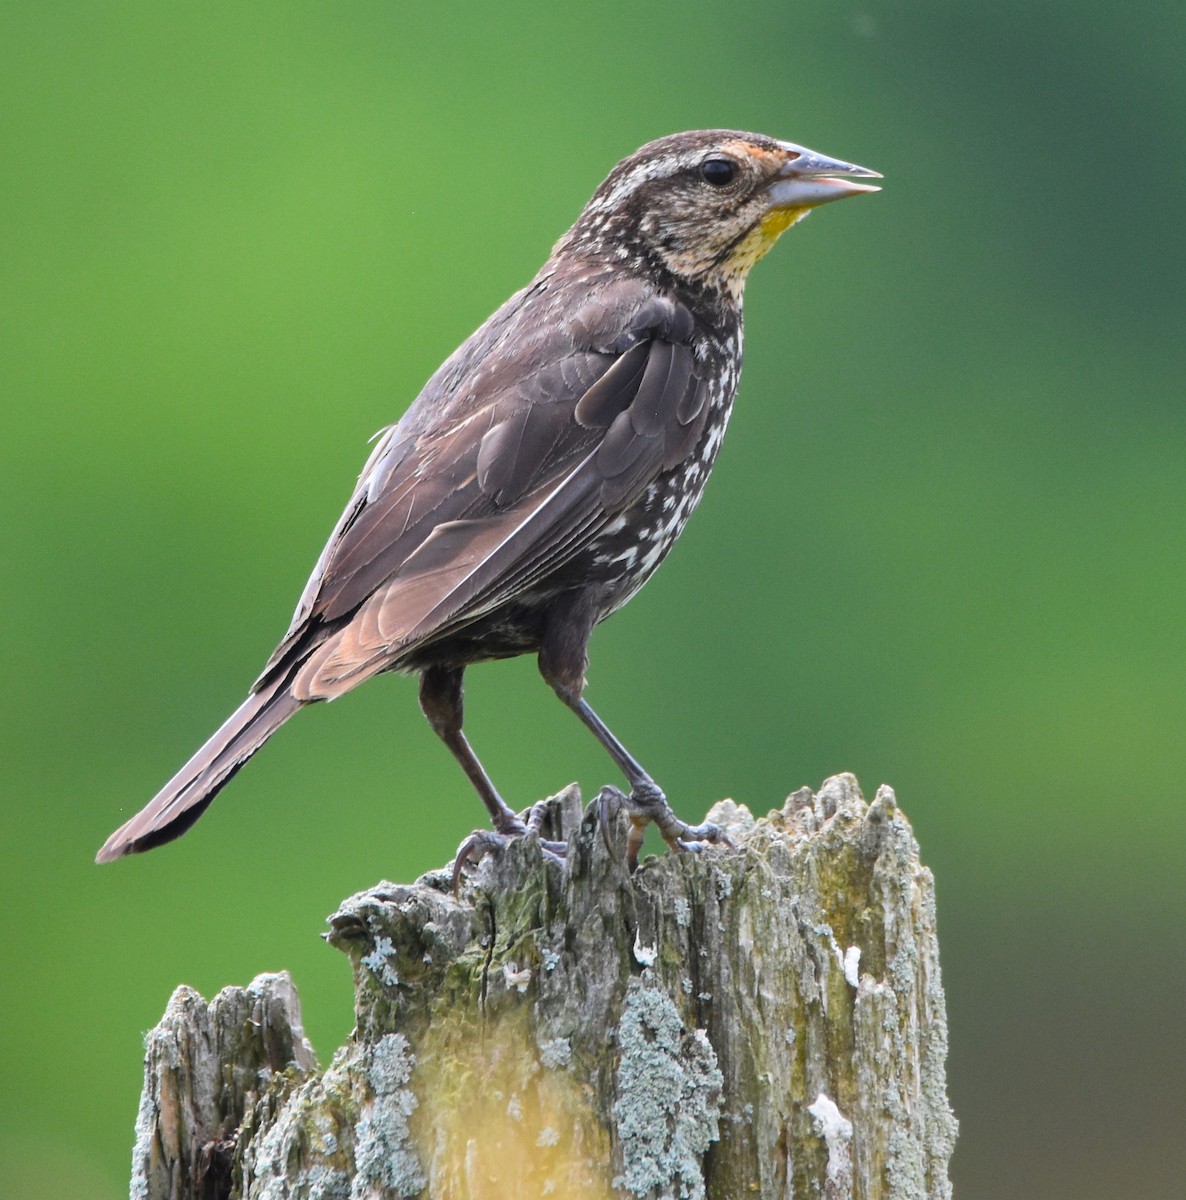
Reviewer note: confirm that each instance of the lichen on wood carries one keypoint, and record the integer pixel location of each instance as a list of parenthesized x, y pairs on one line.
[(764, 1020)]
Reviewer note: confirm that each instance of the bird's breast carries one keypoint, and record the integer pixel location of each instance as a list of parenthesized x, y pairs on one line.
[(627, 551)]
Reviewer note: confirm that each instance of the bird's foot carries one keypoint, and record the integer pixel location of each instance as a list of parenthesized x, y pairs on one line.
[(645, 805), (485, 841)]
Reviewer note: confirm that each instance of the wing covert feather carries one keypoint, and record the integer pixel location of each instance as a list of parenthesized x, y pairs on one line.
[(611, 394)]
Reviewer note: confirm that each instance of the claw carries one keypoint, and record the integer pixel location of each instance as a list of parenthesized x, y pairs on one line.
[(471, 852), (698, 836), (484, 841), (536, 815), (695, 837), (609, 801), (634, 840), (647, 803)]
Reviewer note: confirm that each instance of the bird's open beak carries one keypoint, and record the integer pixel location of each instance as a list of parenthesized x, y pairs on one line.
[(809, 179)]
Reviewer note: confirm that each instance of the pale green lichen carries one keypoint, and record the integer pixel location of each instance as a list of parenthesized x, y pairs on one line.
[(555, 1053), (303, 1133), (668, 1098), (384, 1154), (378, 962)]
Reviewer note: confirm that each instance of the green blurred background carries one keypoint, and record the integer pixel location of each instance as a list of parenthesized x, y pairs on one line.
[(942, 548)]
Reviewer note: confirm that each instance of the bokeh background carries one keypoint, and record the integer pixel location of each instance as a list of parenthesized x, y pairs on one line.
[(943, 547)]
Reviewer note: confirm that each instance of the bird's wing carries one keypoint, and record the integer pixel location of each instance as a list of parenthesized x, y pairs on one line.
[(454, 516)]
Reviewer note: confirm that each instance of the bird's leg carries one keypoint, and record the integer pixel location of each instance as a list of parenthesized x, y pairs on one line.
[(562, 662), (646, 801), (441, 703)]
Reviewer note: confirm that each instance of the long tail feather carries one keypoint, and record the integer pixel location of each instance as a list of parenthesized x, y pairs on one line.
[(186, 796)]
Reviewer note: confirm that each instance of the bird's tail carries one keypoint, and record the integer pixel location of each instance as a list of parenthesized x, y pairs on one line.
[(185, 797)]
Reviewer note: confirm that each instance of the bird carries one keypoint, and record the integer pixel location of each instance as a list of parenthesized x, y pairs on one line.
[(542, 474)]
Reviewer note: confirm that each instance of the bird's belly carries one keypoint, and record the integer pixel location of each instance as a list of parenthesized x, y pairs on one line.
[(505, 632)]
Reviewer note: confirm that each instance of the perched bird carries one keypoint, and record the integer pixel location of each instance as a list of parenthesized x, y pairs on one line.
[(544, 471)]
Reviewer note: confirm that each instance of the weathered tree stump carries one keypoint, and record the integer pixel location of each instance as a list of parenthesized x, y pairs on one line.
[(764, 1021)]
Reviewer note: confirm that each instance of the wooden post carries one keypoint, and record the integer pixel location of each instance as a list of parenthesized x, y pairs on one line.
[(765, 1021)]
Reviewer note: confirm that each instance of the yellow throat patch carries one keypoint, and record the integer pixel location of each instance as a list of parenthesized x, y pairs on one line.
[(767, 231), (758, 242)]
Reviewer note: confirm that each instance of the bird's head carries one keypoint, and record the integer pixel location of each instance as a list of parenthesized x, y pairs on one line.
[(707, 205)]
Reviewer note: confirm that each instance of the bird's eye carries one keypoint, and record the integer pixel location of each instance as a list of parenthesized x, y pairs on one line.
[(718, 172)]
